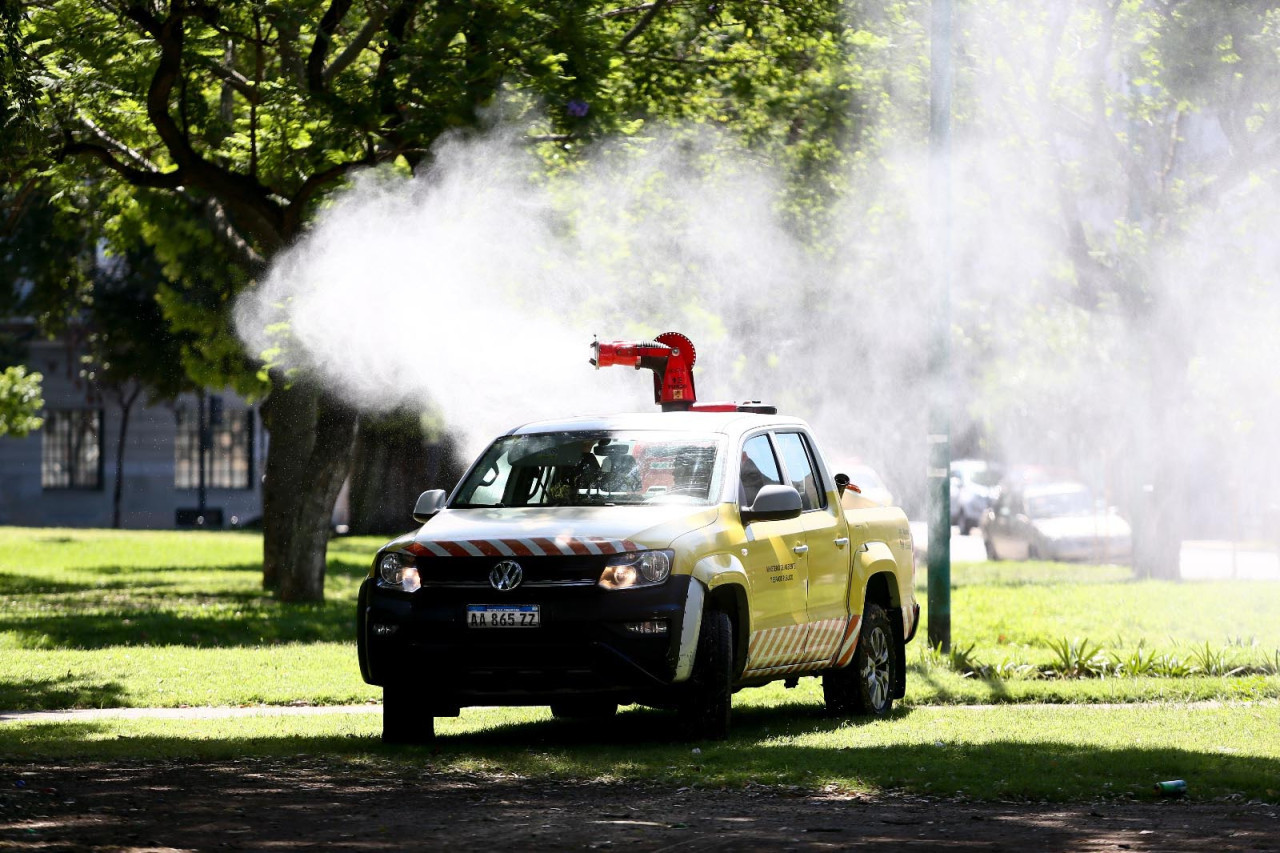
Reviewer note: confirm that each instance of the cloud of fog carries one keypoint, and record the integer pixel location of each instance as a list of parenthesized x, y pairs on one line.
[(476, 287)]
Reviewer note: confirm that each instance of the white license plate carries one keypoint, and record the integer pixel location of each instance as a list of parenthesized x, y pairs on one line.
[(503, 616)]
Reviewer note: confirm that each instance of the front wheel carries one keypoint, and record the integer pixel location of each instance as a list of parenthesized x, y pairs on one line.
[(405, 717), (704, 708), (865, 686)]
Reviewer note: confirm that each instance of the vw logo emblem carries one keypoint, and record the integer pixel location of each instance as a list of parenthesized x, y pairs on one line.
[(506, 575)]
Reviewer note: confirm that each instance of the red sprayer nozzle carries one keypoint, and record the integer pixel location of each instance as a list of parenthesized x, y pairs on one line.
[(670, 356)]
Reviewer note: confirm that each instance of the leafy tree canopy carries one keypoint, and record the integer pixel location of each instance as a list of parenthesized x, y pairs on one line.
[(20, 401)]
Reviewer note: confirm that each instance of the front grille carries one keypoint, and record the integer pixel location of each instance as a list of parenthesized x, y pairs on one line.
[(549, 572)]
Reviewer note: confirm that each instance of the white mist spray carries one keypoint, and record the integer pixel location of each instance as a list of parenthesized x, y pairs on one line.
[(476, 287)]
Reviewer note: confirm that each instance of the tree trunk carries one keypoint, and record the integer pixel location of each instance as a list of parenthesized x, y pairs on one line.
[(126, 402), (302, 578), (289, 415), (394, 462)]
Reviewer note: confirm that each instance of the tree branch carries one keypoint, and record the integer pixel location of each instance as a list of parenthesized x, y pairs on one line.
[(19, 204), (685, 61), (231, 188), (320, 47), (357, 44), (312, 185), (642, 24), (627, 10), (137, 177), (235, 80), (230, 236)]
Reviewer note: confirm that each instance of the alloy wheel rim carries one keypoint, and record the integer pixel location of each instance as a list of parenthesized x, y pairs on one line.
[(875, 671)]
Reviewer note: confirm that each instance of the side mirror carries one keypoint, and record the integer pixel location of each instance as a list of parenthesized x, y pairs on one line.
[(429, 503), (842, 482), (773, 503)]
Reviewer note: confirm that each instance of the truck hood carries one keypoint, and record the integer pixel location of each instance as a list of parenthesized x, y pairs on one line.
[(523, 531)]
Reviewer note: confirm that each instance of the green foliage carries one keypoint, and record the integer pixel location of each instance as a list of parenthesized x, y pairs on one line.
[(1076, 658), (20, 402)]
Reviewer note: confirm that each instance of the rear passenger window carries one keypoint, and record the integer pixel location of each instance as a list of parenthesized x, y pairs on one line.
[(759, 469), (795, 457)]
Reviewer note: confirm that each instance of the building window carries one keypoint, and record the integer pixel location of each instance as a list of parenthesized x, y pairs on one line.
[(71, 452), (228, 459)]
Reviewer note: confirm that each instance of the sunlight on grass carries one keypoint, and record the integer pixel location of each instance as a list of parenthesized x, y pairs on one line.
[(101, 618)]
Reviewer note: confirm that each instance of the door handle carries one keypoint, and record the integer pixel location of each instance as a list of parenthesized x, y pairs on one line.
[(801, 549), (842, 541)]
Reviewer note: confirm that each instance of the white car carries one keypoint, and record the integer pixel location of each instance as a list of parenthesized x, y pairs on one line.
[(1055, 521)]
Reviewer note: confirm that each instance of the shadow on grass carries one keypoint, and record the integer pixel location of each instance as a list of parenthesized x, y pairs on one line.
[(37, 694), (636, 746), (996, 690), (141, 606), (18, 585), (212, 628)]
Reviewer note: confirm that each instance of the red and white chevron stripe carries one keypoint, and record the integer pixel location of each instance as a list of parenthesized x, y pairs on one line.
[(561, 546), (824, 638), (776, 646), (830, 642), (848, 643)]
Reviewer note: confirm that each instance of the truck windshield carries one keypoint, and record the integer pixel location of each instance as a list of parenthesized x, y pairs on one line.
[(594, 469)]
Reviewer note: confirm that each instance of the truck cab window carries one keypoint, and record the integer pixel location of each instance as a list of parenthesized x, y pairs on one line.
[(800, 469), (759, 469)]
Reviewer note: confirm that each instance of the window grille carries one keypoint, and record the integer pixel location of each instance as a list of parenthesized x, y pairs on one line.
[(228, 453), (71, 449)]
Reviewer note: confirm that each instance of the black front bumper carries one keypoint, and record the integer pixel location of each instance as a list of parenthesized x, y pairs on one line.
[(582, 647)]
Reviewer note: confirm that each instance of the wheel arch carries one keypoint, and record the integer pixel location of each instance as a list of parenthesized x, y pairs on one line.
[(725, 581), (882, 589), (731, 598)]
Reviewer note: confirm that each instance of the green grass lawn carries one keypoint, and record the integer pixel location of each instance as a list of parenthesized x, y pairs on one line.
[(1034, 751), (92, 618), (1013, 611), (118, 619)]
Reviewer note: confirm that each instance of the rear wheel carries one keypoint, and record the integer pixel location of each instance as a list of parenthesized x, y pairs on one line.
[(865, 686), (405, 717), (708, 698)]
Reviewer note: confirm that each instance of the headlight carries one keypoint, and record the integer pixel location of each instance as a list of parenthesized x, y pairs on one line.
[(396, 571), (636, 569)]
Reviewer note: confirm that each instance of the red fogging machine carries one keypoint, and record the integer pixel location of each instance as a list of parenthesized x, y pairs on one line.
[(671, 357)]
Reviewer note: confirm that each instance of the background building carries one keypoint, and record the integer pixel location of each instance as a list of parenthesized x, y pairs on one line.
[(65, 474)]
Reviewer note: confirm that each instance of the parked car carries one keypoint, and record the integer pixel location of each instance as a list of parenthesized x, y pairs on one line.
[(973, 489), (1054, 521)]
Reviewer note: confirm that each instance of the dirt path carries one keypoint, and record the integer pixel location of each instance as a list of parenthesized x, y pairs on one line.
[(304, 803)]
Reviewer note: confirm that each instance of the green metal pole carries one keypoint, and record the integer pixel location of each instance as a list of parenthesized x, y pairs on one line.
[(939, 514)]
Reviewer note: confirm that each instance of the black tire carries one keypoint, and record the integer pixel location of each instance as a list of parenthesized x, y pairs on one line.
[(584, 709), (865, 686), (405, 718), (839, 689), (704, 708)]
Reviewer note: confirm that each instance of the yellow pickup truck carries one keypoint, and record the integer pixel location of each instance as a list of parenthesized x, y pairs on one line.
[(667, 559)]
